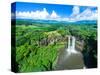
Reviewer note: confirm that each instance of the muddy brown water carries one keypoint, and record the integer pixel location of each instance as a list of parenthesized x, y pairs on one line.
[(67, 60)]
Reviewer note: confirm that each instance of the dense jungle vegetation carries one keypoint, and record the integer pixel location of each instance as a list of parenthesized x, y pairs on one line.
[(38, 44)]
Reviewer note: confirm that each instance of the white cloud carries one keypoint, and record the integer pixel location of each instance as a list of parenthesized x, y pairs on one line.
[(76, 11), (54, 15), (87, 14), (33, 14), (37, 15)]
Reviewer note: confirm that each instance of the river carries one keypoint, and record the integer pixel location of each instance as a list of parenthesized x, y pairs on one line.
[(70, 58)]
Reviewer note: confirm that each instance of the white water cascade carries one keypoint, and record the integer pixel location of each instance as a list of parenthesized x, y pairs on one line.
[(71, 45), (70, 58)]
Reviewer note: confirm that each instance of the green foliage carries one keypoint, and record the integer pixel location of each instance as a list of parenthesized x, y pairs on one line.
[(30, 54), (34, 51)]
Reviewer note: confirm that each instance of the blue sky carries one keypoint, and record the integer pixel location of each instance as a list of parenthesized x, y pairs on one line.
[(54, 11)]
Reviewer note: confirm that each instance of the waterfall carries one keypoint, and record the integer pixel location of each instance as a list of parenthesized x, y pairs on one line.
[(70, 58), (68, 44), (71, 45)]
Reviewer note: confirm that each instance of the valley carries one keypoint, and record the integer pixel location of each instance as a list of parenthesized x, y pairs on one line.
[(38, 45)]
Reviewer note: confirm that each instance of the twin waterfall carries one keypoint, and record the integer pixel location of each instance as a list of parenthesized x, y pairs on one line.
[(70, 58), (71, 45)]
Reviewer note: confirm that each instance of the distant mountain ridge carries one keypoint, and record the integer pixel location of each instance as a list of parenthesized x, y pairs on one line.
[(55, 21)]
